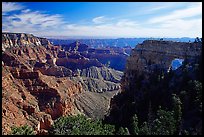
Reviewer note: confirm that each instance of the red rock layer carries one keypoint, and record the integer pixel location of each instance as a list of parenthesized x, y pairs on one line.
[(28, 96)]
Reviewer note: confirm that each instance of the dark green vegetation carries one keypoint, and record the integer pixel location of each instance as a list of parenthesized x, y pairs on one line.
[(81, 125), (167, 104), (23, 130)]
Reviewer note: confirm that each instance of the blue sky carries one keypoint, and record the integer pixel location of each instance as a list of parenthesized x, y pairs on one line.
[(176, 63), (104, 19)]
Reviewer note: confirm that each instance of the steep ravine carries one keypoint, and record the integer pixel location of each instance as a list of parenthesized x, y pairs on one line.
[(37, 90)]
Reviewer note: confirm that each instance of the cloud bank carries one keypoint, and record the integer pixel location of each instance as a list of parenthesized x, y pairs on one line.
[(186, 22)]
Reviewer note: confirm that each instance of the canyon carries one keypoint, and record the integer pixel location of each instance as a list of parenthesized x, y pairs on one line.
[(113, 42), (42, 82)]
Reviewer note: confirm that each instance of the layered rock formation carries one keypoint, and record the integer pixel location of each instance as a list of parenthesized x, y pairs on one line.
[(98, 79), (94, 105), (154, 54), (113, 57), (10, 40), (116, 61), (103, 73), (42, 82), (29, 97), (76, 46)]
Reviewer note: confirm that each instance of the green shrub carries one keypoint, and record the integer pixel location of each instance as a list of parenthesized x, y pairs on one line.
[(123, 131), (23, 130), (134, 125), (80, 125)]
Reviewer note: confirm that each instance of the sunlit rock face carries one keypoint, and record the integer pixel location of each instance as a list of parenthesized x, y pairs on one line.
[(42, 82), (10, 40), (27, 96), (34, 90)]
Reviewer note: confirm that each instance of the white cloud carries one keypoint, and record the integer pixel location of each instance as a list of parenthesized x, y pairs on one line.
[(191, 11), (29, 22), (118, 29), (10, 6), (37, 18), (176, 24), (98, 20), (158, 7), (128, 28), (26, 11), (181, 24), (126, 23), (101, 19)]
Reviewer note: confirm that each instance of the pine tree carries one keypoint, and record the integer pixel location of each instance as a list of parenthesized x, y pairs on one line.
[(177, 111), (150, 118), (134, 125), (145, 129), (164, 124), (123, 131)]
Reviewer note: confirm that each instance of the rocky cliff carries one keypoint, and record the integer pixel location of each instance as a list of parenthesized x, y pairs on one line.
[(100, 84), (28, 96), (113, 57), (76, 47), (147, 84), (10, 40), (103, 73), (42, 82), (154, 54)]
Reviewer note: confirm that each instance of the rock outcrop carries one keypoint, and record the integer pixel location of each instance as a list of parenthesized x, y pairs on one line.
[(41, 82), (10, 40), (94, 105), (76, 47), (96, 85), (31, 96), (147, 84), (116, 61), (28, 96), (112, 57), (154, 54), (102, 73), (74, 62), (98, 79)]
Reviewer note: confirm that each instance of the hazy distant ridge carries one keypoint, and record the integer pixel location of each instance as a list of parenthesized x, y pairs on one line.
[(119, 42)]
